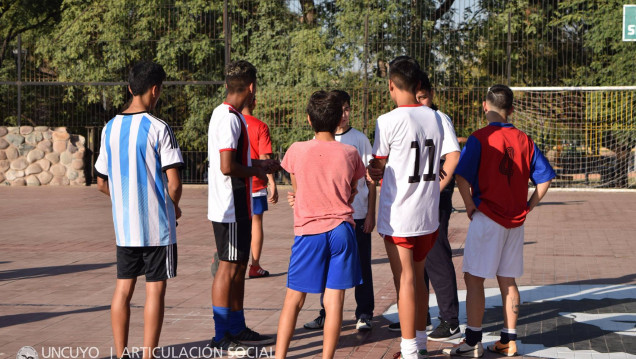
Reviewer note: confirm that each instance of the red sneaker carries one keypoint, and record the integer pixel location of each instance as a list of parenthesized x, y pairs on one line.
[(257, 272)]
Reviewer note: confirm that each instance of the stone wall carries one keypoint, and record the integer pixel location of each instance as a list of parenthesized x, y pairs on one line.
[(34, 156)]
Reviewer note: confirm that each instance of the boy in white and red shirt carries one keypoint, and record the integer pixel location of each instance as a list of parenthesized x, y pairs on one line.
[(324, 258), (407, 149)]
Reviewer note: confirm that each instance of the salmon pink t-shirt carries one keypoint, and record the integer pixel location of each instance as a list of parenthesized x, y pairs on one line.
[(324, 172)]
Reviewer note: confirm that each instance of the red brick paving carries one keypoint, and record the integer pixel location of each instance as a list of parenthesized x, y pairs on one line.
[(57, 269)]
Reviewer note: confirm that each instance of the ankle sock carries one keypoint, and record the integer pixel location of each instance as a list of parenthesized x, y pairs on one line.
[(473, 335), (507, 335), (420, 339), (408, 347), (221, 317), (237, 322)]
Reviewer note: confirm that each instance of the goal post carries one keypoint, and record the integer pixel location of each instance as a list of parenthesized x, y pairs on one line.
[(587, 133)]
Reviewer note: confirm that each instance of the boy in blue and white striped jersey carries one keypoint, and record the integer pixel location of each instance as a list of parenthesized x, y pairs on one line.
[(138, 166)]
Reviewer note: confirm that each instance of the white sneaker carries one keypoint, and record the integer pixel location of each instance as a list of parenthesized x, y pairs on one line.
[(465, 350), (363, 324)]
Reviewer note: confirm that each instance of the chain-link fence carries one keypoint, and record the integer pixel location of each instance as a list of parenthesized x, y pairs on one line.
[(71, 70)]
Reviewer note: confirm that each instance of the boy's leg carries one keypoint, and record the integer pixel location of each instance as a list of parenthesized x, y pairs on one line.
[(257, 239), (333, 300), (510, 300), (228, 289), (401, 261), (153, 315), (364, 292), (120, 312), (294, 301), (421, 296), (475, 305)]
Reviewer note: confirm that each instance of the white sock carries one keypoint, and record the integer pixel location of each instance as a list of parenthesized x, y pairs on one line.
[(408, 347), (509, 331), (474, 329), (421, 338)]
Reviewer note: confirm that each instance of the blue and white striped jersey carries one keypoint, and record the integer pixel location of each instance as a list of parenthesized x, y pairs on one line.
[(136, 150)]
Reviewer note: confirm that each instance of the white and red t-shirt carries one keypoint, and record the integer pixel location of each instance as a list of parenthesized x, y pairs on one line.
[(360, 141), (410, 138), (260, 144), (229, 198)]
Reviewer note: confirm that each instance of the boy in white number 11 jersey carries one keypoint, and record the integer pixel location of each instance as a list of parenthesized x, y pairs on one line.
[(407, 150)]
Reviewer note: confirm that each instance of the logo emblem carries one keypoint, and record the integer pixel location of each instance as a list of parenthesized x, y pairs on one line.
[(27, 353), (506, 166)]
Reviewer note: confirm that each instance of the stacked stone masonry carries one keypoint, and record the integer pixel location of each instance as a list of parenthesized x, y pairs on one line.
[(38, 156)]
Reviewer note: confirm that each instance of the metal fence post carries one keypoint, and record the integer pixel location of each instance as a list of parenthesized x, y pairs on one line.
[(227, 32), (365, 127), (19, 80)]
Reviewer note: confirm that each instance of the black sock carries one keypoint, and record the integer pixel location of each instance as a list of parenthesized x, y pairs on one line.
[(473, 337), (507, 337)]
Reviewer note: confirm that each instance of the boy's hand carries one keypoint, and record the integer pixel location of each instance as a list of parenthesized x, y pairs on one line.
[(269, 166), (273, 193), (291, 199), (375, 170), (261, 174), (470, 210), (177, 212), (369, 223), (442, 174)]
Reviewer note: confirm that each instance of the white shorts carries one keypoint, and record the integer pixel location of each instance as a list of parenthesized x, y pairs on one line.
[(493, 250)]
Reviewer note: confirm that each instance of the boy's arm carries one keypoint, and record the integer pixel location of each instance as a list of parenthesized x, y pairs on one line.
[(369, 222), (464, 190), (537, 196), (174, 189), (354, 191), (230, 167), (273, 191), (452, 159), (102, 185), (291, 196), (376, 168)]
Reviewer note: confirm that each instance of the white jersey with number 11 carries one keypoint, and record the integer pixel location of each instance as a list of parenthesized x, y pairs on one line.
[(410, 138)]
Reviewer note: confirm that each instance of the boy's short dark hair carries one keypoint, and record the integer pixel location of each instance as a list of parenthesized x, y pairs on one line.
[(325, 111), (404, 71), (239, 75), (500, 96), (343, 96), (144, 75), (425, 82)]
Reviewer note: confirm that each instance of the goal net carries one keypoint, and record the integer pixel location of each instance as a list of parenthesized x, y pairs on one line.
[(587, 133)]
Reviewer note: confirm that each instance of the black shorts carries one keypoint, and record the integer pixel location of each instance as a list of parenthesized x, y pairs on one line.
[(233, 240), (157, 263)]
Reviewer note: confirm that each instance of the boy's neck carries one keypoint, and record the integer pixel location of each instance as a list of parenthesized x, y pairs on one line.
[(405, 98), (496, 116), (340, 130), (325, 136), (246, 111), (236, 100), (138, 104)]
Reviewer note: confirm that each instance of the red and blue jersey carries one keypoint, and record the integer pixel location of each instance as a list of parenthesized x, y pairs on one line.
[(497, 161)]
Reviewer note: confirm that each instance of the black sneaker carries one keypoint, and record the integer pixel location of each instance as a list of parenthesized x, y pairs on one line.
[(249, 337), (445, 331), (317, 323), (395, 327), (232, 348)]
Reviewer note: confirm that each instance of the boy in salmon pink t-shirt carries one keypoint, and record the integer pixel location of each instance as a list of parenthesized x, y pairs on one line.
[(324, 258)]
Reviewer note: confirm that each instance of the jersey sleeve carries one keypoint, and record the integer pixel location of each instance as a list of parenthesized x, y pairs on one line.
[(381, 143), (367, 151), (264, 140), (101, 164), (468, 166), (228, 133), (288, 161), (450, 143), (540, 169), (169, 151)]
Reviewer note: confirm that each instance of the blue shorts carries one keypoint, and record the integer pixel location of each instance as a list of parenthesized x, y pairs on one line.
[(325, 260), (260, 204)]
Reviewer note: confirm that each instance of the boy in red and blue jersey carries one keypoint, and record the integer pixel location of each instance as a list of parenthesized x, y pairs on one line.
[(496, 164)]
